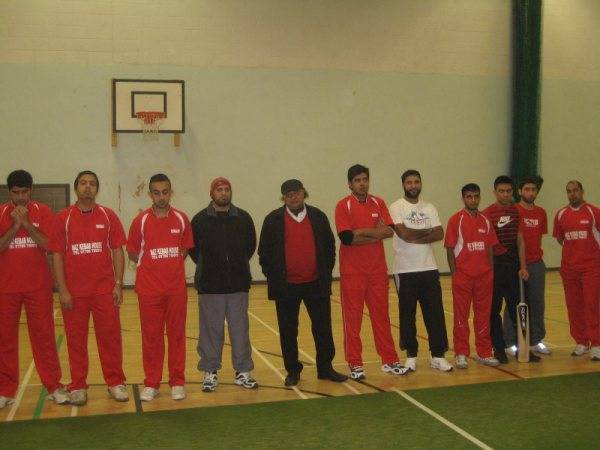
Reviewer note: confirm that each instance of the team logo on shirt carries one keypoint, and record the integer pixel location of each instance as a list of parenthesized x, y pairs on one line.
[(575, 235), (584, 222), (86, 248), (99, 225), (531, 223), (482, 230), (417, 218), (175, 231), (477, 246), (503, 221), (35, 224), (374, 214), (165, 252), (22, 242)]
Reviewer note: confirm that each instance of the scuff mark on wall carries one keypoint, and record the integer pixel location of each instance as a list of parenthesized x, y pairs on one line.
[(140, 187), (119, 197)]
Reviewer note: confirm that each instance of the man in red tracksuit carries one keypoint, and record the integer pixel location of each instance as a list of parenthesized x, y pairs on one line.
[(87, 245), (577, 229), (362, 222), (159, 240), (25, 279), (470, 238)]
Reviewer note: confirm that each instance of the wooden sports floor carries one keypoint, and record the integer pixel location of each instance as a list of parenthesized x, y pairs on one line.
[(31, 402)]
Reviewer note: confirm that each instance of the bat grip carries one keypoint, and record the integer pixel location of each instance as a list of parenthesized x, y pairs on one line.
[(521, 290)]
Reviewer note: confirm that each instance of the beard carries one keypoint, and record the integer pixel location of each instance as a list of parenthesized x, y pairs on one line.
[(529, 201), (413, 193), (222, 201)]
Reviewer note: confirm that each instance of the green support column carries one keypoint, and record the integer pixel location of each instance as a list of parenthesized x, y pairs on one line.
[(527, 23)]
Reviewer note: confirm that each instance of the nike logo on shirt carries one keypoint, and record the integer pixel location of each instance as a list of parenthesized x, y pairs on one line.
[(503, 221)]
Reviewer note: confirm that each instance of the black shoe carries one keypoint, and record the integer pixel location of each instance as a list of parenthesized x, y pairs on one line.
[(332, 375), (292, 379), (500, 355)]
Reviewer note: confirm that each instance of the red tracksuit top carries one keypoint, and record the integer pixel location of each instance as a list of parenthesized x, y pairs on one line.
[(86, 241), (580, 230), (350, 214), (159, 242), (28, 263)]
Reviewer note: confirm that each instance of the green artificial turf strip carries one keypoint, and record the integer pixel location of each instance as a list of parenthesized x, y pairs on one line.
[(374, 420), (554, 412)]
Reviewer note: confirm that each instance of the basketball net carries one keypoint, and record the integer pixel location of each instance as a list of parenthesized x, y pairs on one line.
[(150, 122)]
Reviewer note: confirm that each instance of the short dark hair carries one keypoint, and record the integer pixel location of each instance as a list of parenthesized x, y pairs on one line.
[(578, 183), (356, 170), (19, 178), (531, 179), (410, 172), (502, 179), (86, 172), (158, 177), (470, 187)]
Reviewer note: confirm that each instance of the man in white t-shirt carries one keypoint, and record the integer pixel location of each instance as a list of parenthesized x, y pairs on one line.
[(416, 275)]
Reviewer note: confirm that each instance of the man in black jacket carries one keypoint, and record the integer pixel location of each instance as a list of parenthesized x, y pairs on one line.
[(297, 254), (225, 240)]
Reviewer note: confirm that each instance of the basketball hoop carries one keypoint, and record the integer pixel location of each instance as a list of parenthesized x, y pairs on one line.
[(150, 122)]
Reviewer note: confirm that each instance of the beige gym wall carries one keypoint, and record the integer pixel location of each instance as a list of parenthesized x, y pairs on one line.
[(570, 103), (274, 89)]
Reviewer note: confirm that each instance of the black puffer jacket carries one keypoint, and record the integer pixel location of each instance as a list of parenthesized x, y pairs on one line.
[(223, 246), (271, 251)]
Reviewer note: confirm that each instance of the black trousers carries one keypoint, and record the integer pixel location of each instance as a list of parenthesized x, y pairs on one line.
[(506, 286), (319, 310), (423, 287)]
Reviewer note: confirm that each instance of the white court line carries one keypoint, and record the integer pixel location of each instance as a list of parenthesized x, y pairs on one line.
[(268, 363), (306, 355), (74, 410), (22, 387), (446, 422)]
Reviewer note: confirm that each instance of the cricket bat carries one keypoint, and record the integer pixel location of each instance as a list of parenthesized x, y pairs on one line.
[(522, 325)]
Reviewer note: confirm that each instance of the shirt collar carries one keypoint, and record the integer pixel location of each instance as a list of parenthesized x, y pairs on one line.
[(298, 218)]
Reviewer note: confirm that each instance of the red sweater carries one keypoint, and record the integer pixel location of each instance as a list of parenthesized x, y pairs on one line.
[(300, 251)]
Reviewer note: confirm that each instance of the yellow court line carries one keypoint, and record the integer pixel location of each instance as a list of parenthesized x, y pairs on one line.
[(306, 355)]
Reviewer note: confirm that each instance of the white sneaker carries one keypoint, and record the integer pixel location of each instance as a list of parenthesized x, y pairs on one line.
[(177, 392), (60, 396), (357, 373), (489, 361), (395, 368), (461, 362), (4, 401), (210, 382), (540, 347), (245, 380), (512, 350), (440, 364), (411, 363), (580, 350), (595, 353), (78, 397), (119, 393), (148, 394)]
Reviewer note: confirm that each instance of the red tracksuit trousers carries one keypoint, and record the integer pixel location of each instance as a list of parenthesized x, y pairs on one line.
[(372, 289), (40, 322), (582, 294), (107, 327), (158, 312), (479, 290)]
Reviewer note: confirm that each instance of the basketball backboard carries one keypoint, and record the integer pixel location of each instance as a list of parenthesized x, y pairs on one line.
[(130, 97)]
